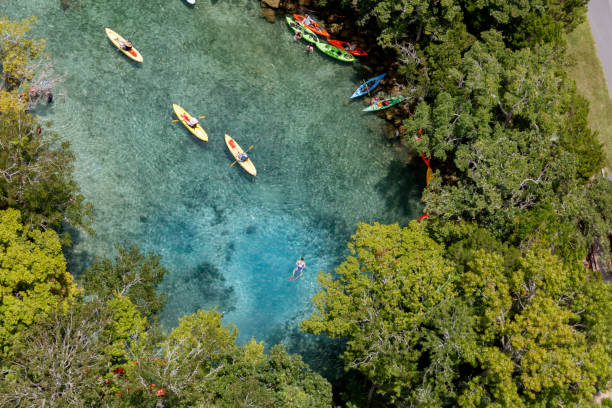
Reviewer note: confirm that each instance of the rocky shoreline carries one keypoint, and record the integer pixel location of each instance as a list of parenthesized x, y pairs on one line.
[(341, 24)]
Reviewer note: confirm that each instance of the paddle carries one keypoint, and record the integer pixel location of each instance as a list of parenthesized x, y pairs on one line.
[(236, 161), (176, 120), (367, 87)]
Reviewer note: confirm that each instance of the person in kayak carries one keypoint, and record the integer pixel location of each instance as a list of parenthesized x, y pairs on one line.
[(308, 20), (126, 45), (191, 121), (350, 47), (242, 156), (299, 267)]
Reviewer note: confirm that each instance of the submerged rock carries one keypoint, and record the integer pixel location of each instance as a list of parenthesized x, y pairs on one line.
[(334, 28), (268, 14), (271, 3)]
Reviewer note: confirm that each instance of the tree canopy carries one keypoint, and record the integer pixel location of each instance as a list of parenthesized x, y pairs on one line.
[(478, 324), (33, 277), (130, 274)]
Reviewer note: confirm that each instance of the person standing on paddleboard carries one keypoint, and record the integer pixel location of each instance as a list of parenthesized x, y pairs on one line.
[(299, 267)]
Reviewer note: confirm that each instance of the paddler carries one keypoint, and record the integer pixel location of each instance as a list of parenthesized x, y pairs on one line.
[(308, 20), (191, 121), (126, 45), (242, 156)]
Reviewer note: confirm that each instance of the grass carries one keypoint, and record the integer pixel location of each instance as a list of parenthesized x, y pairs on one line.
[(591, 82)]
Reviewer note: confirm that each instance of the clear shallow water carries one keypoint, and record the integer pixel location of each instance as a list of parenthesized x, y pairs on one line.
[(226, 238)]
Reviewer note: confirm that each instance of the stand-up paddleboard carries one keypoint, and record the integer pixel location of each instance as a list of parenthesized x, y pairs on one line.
[(197, 130), (118, 41), (235, 150)]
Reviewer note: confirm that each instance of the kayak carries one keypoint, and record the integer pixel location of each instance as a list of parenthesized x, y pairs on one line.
[(387, 103), (314, 27), (306, 33), (335, 52), (235, 149), (117, 40), (182, 115), (367, 86), (343, 45)]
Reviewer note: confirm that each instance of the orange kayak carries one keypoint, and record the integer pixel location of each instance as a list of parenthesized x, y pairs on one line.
[(348, 47), (314, 27)]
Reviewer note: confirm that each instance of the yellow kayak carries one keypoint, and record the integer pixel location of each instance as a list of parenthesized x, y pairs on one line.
[(118, 40), (235, 150), (197, 130)]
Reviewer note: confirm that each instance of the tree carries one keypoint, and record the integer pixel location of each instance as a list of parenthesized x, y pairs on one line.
[(33, 277), (199, 363), (131, 274), (19, 55), (66, 359), (35, 165), (393, 302), (540, 332), (491, 326)]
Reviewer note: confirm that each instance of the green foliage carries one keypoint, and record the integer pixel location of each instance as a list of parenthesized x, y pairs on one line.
[(131, 274), (60, 361), (35, 165), (606, 403), (33, 277), (506, 330), (387, 301), (199, 363), (514, 129), (127, 324), (533, 319), (578, 139), (36, 172), (17, 53), (537, 28)]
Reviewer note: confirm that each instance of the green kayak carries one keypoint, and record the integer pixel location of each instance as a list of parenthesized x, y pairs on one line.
[(387, 103), (306, 33), (334, 52)]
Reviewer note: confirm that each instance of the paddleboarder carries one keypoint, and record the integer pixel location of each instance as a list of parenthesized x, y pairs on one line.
[(300, 264)]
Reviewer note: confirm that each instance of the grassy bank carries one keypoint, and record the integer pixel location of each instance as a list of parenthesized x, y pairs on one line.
[(589, 76)]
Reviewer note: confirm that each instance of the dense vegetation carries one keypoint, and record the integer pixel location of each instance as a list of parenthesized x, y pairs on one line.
[(488, 304)]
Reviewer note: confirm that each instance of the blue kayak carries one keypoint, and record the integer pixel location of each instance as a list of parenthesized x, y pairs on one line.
[(367, 86)]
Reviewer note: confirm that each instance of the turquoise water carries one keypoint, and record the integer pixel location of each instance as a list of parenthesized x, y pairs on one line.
[(227, 239)]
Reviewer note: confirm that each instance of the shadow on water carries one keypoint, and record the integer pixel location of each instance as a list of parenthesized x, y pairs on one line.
[(76, 261), (211, 285), (402, 187)]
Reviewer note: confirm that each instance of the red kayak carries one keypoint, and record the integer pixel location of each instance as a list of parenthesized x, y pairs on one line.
[(348, 47), (314, 27)]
